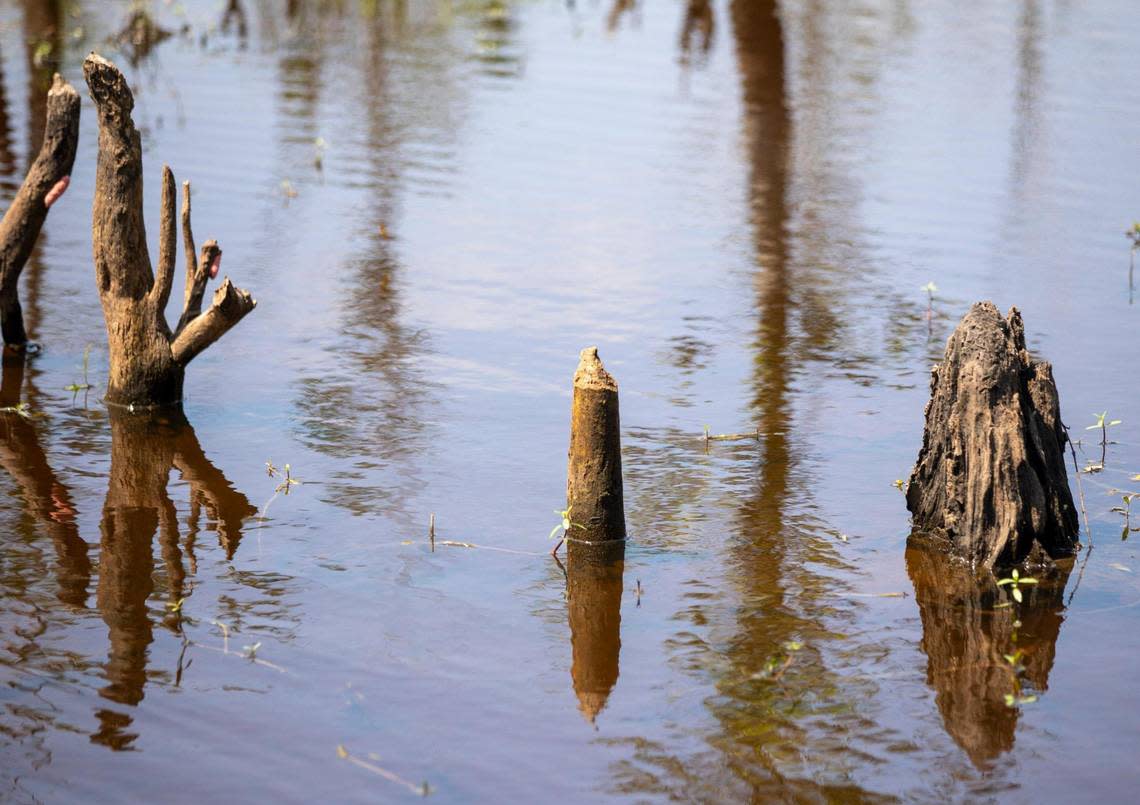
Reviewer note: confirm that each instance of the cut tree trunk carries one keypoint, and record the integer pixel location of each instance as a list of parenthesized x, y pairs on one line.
[(45, 183), (148, 361), (991, 473)]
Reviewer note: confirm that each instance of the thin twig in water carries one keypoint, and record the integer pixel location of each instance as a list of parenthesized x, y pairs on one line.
[(423, 789), (431, 531), (1084, 511)]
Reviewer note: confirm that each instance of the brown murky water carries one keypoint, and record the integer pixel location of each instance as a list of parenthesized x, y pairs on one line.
[(740, 205)]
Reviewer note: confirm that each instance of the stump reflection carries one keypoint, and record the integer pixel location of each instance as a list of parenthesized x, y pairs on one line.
[(47, 500), (144, 448), (968, 630), (594, 590)]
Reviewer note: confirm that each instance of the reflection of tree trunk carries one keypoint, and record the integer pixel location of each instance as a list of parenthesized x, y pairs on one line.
[(47, 500), (760, 54), (966, 636), (594, 590), (42, 24), (144, 448)]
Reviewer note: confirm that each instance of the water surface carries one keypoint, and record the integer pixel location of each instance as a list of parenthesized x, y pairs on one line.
[(739, 203)]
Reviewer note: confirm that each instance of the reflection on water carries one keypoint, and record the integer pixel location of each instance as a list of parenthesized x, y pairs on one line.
[(743, 200), (47, 500), (593, 599), (969, 629), (144, 449)]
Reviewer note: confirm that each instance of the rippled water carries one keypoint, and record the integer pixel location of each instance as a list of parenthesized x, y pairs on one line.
[(739, 203)]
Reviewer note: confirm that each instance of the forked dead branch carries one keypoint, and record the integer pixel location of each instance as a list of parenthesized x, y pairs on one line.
[(147, 360), (46, 181)]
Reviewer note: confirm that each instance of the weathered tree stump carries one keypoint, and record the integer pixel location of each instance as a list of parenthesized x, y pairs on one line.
[(593, 479), (148, 362), (991, 473), (46, 181)]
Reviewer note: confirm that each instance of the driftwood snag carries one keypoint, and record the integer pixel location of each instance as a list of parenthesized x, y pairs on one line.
[(991, 473), (46, 181), (593, 479), (148, 361)]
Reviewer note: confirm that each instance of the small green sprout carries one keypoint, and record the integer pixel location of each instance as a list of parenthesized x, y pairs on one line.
[(1126, 510), (176, 606), (75, 388), (1014, 699), (22, 410), (1103, 426), (1014, 581), (1100, 423), (565, 524), (251, 651), (899, 484)]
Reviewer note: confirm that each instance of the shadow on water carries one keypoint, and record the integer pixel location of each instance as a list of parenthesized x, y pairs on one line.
[(969, 629), (144, 449), (594, 587)]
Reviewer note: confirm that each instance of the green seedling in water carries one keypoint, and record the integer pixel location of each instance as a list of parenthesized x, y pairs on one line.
[(75, 388), (564, 524), (1126, 510), (176, 606), (251, 651), (1015, 580), (22, 410), (900, 485), (1103, 426), (1015, 670), (930, 289), (283, 488), (780, 662)]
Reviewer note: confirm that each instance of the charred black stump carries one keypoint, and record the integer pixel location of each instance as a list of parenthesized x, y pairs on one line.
[(991, 473)]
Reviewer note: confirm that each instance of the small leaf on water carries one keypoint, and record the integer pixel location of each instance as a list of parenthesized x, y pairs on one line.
[(1027, 580), (1115, 422), (1120, 567), (1017, 595)]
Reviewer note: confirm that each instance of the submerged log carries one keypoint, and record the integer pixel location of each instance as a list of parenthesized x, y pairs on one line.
[(148, 362), (593, 479), (991, 473), (46, 181)]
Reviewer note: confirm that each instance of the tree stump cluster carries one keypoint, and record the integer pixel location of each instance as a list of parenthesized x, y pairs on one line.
[(991, 473), (148, 359)]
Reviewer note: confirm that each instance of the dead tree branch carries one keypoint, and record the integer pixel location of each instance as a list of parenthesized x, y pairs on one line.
[(46, 181), (147, 361)]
